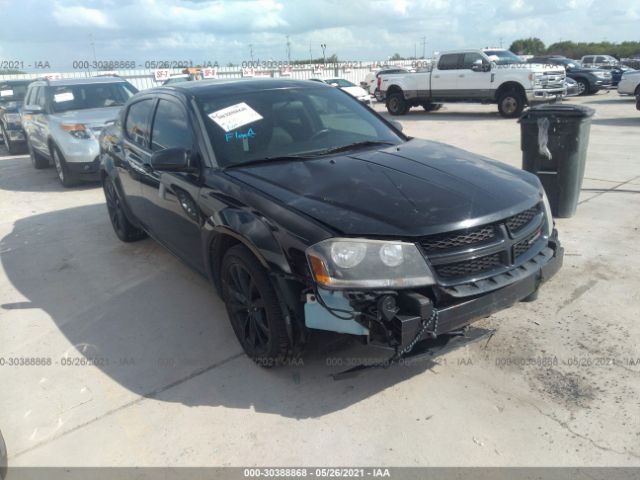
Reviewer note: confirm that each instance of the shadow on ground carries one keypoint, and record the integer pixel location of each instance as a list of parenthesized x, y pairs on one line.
[(158, 329), (18, 175)]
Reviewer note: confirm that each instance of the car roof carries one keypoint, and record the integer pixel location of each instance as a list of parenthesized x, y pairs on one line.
[(63, 82), (234, 86)]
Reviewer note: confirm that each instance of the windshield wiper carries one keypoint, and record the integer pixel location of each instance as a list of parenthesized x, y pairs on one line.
[(353, 146), (283, 158)]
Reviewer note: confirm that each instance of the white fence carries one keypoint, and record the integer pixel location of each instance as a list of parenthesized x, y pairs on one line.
[(145, 78)]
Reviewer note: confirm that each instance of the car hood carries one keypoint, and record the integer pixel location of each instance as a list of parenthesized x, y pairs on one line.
[(418, 188), (90, 116)]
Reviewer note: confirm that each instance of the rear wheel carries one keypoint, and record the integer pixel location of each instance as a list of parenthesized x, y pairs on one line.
[(253, 308), (12, 147), (124, 229), (37, 160), (64, 175), (510, 104), (396, 104)]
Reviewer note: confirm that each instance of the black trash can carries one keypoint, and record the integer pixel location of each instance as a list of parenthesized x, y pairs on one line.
[(554, 141)]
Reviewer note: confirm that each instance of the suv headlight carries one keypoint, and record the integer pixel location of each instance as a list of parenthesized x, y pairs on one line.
[(547, 214), (13, 117), (362, 263), (77, 130)]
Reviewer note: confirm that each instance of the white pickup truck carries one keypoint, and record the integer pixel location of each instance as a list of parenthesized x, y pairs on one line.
[(479, 76)]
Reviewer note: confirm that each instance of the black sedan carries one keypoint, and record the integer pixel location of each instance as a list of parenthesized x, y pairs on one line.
[(12, 93), (307, 210)]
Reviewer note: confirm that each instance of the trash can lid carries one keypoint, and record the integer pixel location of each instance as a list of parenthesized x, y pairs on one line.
[(558, 110)]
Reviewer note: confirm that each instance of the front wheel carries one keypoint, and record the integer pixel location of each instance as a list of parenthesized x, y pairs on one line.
[(124, 229), (583, 87), (13, 150), (510, 104), (396, 104), (253, 308), (65, 177)]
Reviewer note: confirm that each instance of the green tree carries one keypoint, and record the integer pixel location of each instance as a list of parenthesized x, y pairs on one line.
[(396, 56), (528, 46)]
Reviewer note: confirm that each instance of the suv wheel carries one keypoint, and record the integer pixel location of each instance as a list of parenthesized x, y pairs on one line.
[(396, 104), (37, 160), (583, 87), (124, 229), (253, 308), (64, 175), (510, 104), (3, 458)]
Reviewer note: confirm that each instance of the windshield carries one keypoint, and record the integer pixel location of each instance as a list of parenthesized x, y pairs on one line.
[(288, 122), (503, 57), (12, 92), (90, 95)]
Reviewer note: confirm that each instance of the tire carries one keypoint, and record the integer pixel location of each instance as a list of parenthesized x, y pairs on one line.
[(637, 92), (396, 104), (9, 144), (510, 104), (583, 87), (64, 175), (253, 308), (123, 228), (37, 160)]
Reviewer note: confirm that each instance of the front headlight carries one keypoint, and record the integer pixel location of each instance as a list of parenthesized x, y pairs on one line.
[(547, 214), (13, 117), (362, 263)]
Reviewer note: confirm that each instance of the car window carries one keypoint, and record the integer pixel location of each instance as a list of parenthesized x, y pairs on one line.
[(284, 122), (12, 92), (448, 61), (600, 59), (137, 122), (170, 127), (469, 58), (40, 97)]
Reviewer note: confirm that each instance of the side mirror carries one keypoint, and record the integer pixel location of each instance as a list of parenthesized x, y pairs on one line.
[(477, 65), (173, 160), (396, 124)]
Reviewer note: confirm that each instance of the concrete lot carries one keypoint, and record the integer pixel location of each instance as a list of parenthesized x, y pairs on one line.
[(558, 383)]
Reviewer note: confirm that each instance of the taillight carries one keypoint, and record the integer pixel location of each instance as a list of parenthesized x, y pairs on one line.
[(379, 82)]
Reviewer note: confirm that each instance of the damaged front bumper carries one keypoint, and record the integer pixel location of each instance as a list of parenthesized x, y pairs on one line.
[(398, 319)]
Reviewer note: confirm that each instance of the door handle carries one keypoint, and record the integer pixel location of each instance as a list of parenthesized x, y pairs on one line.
[(461, 75)]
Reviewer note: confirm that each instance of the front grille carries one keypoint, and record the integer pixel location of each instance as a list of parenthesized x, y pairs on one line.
[(480, 252), (464, 238), (515, 223), (469, 267), (524, 245)]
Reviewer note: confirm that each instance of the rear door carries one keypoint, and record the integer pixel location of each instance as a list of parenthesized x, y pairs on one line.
[(37, 122), (135, 155), (174, 215), (444, 78)]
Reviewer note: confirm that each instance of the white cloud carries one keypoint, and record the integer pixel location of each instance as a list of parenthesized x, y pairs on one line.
[(80, 16)]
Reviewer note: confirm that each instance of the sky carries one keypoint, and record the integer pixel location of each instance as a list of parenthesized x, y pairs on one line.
[(62, 31)]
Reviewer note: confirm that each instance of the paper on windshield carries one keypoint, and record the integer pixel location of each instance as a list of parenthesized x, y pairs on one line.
[(6, 93), (63, 97), (235, 116)]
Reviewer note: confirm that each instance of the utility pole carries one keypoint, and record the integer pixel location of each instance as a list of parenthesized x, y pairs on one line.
[(251, 51), (415, 51), (500, 42), (424, 46), (310, 54), (288, 51), (93, 48), (324, 57)]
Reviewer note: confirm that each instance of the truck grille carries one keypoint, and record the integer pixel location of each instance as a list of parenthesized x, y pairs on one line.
[(480, 252)]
